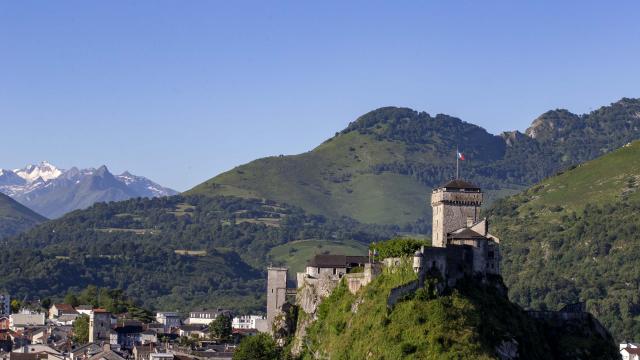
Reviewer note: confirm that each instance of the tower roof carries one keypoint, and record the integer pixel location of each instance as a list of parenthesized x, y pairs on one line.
[(460, 184)]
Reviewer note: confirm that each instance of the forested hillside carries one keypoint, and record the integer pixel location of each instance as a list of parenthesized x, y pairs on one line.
[(574, 237), (171, 253), (15, 218), (381, 168)]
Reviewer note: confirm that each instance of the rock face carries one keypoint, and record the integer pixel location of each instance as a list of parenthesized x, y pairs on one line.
[(310, 295)]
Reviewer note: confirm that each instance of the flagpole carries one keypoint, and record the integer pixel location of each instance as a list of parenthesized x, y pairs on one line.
[(457, 168)]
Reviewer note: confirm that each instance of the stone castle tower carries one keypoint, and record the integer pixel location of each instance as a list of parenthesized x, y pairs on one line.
[(276, 292), (455, 205)]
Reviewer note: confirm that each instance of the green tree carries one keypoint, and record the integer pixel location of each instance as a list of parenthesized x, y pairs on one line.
[(46, 303), (258, 347), (81, 329), (71, 299), (220, 328), (15, 305)]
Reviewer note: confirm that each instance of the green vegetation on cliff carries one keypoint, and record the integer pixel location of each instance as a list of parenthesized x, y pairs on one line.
[(472, 321), (383, 166), (16, 218), (574, 237)]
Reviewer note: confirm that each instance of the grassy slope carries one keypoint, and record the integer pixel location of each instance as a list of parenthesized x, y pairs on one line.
[(328, 180), (295, 254), (469, 323), (574, 237), (15, 217)]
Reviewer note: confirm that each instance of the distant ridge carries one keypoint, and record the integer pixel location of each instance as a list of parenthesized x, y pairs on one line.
[(383, 165), (54, 192), (16, 218)]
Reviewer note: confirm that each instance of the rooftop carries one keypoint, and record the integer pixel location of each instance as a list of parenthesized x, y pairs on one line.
[(460, 184), (337, 261)]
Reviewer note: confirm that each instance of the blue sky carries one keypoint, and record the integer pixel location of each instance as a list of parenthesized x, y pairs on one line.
[(180, 91)]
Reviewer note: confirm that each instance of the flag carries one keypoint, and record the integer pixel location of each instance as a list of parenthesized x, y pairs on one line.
[(460, 156)]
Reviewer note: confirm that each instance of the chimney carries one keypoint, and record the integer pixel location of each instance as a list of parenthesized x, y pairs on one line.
[(106, 347), (469, 221)]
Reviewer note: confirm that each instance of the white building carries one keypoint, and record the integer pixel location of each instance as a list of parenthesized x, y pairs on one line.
[(204, 317), (246, 321), (169, 319), (630, 351), (25, 319), (5, 304), (84, 309)]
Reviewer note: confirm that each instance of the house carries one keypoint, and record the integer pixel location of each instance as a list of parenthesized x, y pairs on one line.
[(99, 325), (160, 356), (84, 309), (85, 351), (58, 310), (141, 352), (205, 317), (149, 337), (169, 319), (246, 321), (200, 331), (107, 354), (25, 319), (39, 336), (630, 351), (333, 265), (127, 335)]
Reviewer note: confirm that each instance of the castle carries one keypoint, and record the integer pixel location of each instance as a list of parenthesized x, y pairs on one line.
[(461, 242), (461, 247)]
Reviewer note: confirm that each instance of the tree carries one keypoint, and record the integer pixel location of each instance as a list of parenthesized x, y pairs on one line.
[(220, 328), (81, 329), (46, 303), (15, 305), (258, 347), (71, 299)]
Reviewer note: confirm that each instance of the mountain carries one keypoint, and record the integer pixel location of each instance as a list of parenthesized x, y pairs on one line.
[(55, 192), (473, 321), (16, 218), (381, 168), (574, 237), (212, 250)]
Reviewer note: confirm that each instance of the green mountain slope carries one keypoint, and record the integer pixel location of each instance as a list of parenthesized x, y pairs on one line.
[(15, 218), (211, 251), (471, 322), (574, 237), (382, 167)]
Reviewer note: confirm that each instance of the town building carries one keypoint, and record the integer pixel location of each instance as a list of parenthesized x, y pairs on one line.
[(169, 319), (99, 325), (58, 310), (205, 317), (247, 321), (25, 319), (84, 309), (630, 351)]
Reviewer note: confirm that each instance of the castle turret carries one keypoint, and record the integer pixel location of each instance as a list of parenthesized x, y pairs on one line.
[(455, 205)]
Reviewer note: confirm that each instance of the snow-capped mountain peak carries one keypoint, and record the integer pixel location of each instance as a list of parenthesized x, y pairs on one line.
[(53, 192), (44, 170)]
